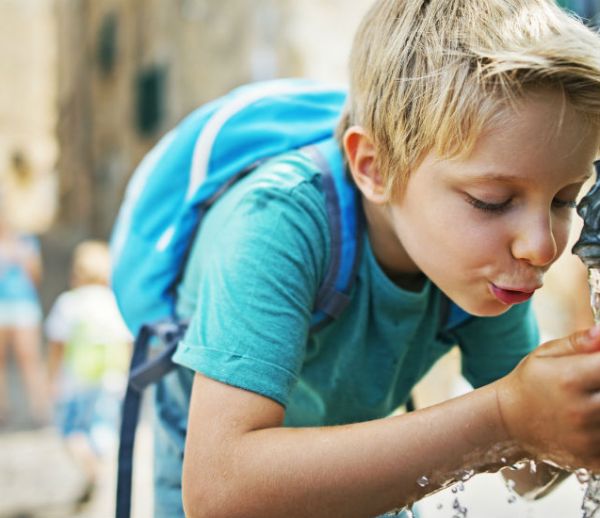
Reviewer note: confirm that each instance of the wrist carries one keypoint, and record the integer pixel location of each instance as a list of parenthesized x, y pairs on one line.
[(506, 433), (500, 419)]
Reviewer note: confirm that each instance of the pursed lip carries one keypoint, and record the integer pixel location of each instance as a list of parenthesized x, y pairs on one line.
[(512, 295)]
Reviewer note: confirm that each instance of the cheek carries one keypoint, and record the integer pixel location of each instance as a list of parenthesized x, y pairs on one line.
[(468, 238)]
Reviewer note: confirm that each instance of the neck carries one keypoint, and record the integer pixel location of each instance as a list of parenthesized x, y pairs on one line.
[(388, 249)]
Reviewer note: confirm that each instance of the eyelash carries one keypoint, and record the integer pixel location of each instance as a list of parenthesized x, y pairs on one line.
[(500, 208)]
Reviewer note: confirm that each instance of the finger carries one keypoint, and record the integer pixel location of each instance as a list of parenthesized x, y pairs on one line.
[(592, 403), (576, 372), (581, 342), (587, 412)]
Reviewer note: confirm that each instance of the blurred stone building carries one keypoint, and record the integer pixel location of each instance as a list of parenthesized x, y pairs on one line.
[(27, 107), (130, 69)]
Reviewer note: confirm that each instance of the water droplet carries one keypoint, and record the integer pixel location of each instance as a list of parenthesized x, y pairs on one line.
[(454, 489), (582, 475), (503, 460), (439, 506), (532, 467), (511, 499), (461, 512), (423, 481), (461, 486), (467, 474)]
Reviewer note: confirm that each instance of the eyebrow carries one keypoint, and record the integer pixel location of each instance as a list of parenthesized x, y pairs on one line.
[(513, 178)]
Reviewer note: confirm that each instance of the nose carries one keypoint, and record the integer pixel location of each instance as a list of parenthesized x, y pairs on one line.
[(535, 241)]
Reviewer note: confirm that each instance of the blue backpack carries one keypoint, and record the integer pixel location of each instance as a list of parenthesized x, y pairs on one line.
[(182, 177)]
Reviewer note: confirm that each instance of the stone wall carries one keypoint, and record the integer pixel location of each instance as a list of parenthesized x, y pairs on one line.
[(28, 76)]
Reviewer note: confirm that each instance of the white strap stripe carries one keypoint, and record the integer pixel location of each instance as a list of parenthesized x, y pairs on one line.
[(203, 147), (134, 191)]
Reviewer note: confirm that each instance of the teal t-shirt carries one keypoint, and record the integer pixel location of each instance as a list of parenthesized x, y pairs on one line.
[(250, 286)]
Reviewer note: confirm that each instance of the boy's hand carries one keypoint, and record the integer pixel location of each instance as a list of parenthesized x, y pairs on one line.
[(550, 403)]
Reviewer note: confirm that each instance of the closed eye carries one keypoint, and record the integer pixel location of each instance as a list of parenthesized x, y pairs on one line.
[(494, 208)]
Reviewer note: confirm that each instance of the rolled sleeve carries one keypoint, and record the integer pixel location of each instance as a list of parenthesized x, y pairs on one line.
[(258, 261)]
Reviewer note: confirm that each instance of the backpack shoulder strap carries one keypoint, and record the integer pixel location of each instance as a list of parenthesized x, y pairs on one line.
[(347, 228)]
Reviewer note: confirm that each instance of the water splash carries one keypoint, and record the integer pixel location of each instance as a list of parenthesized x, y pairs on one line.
[(467, 474), (409, 513), (591, 497), (594, 282), (512, 495), (532, 467), (460, 511), (423, 481)]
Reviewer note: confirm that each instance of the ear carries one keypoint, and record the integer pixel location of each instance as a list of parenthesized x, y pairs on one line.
[(361, 157)]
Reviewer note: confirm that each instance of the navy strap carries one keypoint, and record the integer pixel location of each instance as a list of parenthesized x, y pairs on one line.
[(346, 226), (149, 371), (142, 373), (451, 315)]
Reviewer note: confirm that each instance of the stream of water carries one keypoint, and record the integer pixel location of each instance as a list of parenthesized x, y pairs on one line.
[(591, 498)]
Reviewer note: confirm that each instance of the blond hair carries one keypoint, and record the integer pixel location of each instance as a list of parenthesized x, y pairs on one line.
[(91, 263), (432, 75)]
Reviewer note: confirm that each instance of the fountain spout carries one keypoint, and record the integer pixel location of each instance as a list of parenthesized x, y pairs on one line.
[(587, 247)]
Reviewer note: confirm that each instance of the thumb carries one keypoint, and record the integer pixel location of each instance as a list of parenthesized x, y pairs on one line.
[(580, 342)]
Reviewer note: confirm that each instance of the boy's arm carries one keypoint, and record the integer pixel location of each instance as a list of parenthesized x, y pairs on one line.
[(240, 461), (246, 464)]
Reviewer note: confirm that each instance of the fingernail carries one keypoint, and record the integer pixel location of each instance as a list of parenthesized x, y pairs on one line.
[(594, 332)]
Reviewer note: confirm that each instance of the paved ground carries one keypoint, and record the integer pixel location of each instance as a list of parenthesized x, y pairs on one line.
[(38, 479)]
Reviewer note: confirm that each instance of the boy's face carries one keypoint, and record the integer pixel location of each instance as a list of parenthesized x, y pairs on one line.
[(487, 227)]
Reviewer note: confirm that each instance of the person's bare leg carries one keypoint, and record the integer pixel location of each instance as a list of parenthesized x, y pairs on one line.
[(28, 355), (4, 407), (86, 458)]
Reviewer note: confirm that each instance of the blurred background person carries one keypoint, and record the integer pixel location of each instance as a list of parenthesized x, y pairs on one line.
[(20, 316), (88, 356), (29, 195)]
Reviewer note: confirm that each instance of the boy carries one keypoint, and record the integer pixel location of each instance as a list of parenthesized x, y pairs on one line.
[(470, 128)]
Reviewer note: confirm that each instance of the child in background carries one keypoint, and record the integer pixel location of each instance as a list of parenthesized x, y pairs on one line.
[(87, 358), (20, 316)]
